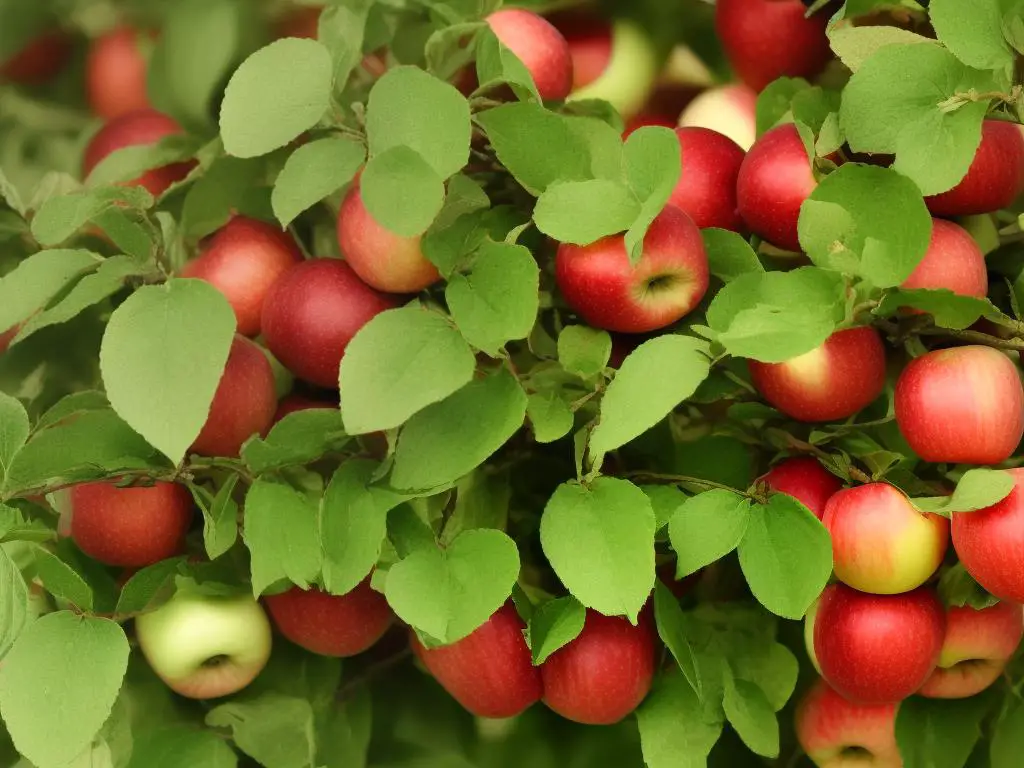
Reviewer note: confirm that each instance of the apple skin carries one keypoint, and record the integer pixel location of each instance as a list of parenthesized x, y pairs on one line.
[(668, 282), (130, 527), (774, 181), (331, 625), (706, 190), (603, 675), (7, 337), (145, 126), (243, 405), (382, 259), (180, 638), (42, 59), (977, 648), (878, 649), (961, 405), (880, 543), (311, 314), (995, 178), (115, 73), (830, 383), (953, 261), (803, 478), (490, 671), (293, 403), (768, 39), (242, 261), (836, 733), (541, 48), (729, 109)]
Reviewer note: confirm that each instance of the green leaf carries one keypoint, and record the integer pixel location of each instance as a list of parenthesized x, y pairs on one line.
[(37, 279), (211, 199), (949, 309), (481, 501), (299, 438), (162, 357), (281, 534), (666, 500), (600, 543), (52, 701), (315, 171), (400, 362), (977, 489), (584, 351), (583, 212), (772, 668), (14, 606), (342, 28), (14, 430), (220, 517), (61, 217), (672, 628), (62, 581), (652, 160), (496, 64), (1008, 739), (674, 729), (128, 163), (775, 102), (749, 712), (729, 254), (554, 625), (148, 588), (855, 45), (273, 729), (277, 93), (401, 190), (706, 528), (550, 416), (176, 745), (973, 32), (937, 733)]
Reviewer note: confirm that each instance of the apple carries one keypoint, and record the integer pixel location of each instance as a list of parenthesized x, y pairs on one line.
[(729, 109), (331, 625), (382, 259), (878, 649), (961, 405), (880, 542), (774, 181), (953, 261), (490, 671), (132, 526), (293, 403), (146, 126), (7, 337), (706, 190), (116, 70), (836, 733), (541, 48), (978, 646), (768, 39), (990, 543), (830, 383), (646, 120), (668, 281), (204, 646), (311, 314), (995, 177), (243, 405), (242, 260), (602, 676), (803, 478), (39, 61), (809, 618)]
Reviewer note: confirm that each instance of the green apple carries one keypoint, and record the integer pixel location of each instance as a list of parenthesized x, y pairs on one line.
[(628, 79)]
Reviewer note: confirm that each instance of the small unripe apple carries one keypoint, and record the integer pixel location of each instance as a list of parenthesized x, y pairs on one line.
[(803, 478), (706, 190), (116, 72), (836, 733), (729, 109), (953, 261), (39, 61), (541, 48)]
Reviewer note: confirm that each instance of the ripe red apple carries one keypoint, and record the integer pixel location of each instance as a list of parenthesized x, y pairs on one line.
[(242, 260), (830, 383), (146, 126), (878, 649), (116, 71), (647, 120), (953, 261), (130, 527), (836, 733), (978, 646), (293, 403), (961, 405), (768, 39), (490, 671), (39, 61), (995, 178), (541, 48), (729, 109), (803, 478), (667, 283), (603, 675), (774, 181), (880, 542), (7, 337), (706, 190), (331, 625), (243, 404), (311, 314)]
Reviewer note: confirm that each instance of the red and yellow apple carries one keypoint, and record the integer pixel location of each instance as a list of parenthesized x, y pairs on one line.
[(803, 478), (953, 261), (729, 109), (706, 190), (836, 733), (116, 71), (542, 49)]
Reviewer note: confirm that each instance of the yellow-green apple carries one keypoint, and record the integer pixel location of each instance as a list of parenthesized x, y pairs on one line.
[(131, 526), (768, 39), (953, 261), (382, 259), (602, 676), (541, 48), (667, 283), (831, 382), (836, 733), (995, 177), (990, 543), (490, 671), (978, 646), (878, 649), (311, 314), (242, 260), (803, 478), (729, 109), (774, 181), (204, 646), (706, 190), (116, 71), (809, 618), (880, 542), (39, 61), (961, 405)]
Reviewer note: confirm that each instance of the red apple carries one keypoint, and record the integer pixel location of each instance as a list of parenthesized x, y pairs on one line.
[(116, 71), (706, 190), (774, 181), (589, 37), (803, 478), (243, 404), (293, 403), (830, 383), (242, 261), (7, 337), (667, 283), (540, 47), (39, 61), (880, 542), (961, 405), (130, 527), (647, 120), (490, 671), (878, 649), (311, 314), (953, 261), (729, 109), (978, 646), (995, 178), (836, 733), (603, 675)]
